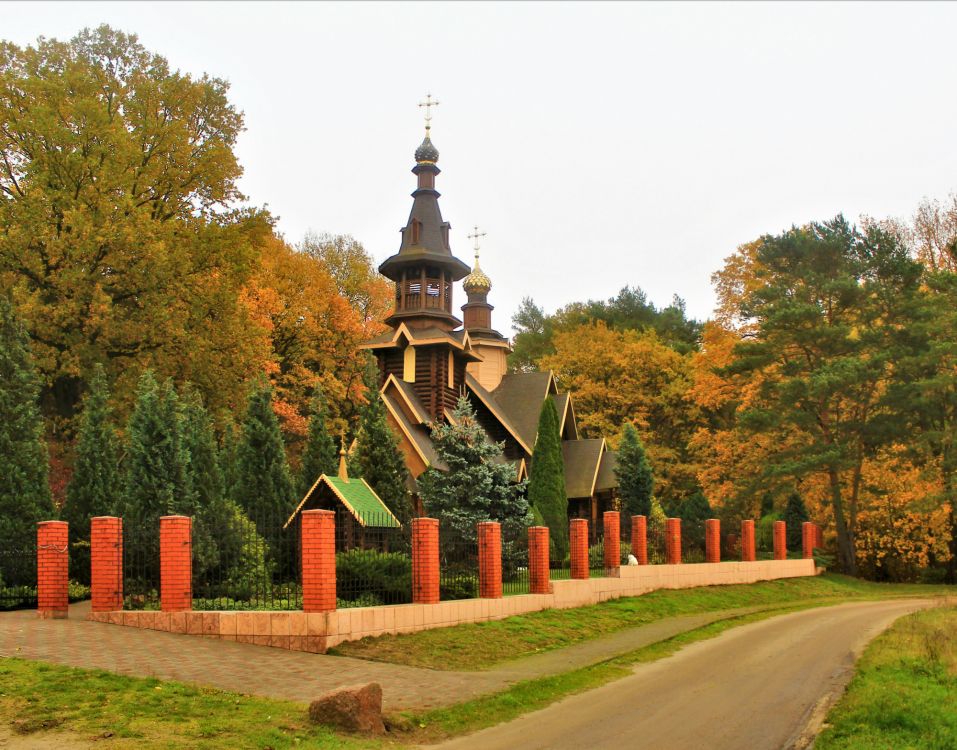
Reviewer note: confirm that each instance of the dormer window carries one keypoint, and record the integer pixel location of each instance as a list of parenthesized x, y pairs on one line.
[(416, 228)]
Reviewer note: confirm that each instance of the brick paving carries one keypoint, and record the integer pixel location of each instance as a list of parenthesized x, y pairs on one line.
[(295, 675)]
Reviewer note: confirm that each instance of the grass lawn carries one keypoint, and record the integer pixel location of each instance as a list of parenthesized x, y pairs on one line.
[(137, 712), (480, 645), (904, 694)]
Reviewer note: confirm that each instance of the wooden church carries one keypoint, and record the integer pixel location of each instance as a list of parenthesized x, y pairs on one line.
[(429, 357)]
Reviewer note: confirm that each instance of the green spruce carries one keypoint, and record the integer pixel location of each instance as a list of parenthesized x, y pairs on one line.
[(24, 488), (320, 455), (95, 485), (377, 458), (264, 488), (477, 484), (795, 514), (636, 482), (546, 479)]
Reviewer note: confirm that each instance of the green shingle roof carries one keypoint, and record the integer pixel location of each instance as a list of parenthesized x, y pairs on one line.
[(362, 502)]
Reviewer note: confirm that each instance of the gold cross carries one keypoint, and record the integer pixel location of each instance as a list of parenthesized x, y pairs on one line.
[(428, 104), (475, 236)]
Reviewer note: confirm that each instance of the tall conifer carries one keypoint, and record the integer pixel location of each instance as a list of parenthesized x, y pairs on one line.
[(95, 487), (546, 479), (320, 455), (264, 488), (24, 489), (795, 514), (636, 482), (377, 458)]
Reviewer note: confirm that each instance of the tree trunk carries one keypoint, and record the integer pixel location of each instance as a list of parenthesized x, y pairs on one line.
[(845, 544)]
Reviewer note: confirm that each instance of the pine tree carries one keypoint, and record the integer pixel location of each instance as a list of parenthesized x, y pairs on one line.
[(795, 514), (228, 458), (95, 485), (264, 488), (205, 474), (693, 512), (636, 482), (546, 480), (320, 455), (24, 489), (157, 463), (478, 484), (377, 458)]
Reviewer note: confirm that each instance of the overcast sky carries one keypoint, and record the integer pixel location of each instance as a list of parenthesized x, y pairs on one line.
[(598, 145)]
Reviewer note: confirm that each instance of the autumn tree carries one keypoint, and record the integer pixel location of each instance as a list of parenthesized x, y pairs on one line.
[(476, 484), (830, 316), (123, 236), (636, 481), (24, 492), (95, 484), (546, 479)]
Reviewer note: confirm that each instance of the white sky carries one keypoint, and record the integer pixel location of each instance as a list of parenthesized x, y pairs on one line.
[(598, 145)]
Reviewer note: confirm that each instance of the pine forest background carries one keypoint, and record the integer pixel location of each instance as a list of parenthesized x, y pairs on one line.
[(142, 295)]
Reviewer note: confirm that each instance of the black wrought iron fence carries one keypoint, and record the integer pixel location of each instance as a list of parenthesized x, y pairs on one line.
[(246, 561), (18, 576), (141, 563), (514, 561), (693, 542), (458, 563), (373, 560)]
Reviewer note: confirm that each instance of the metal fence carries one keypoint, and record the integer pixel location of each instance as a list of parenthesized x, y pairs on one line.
[(140, 563), (18, 577), (373, 561), (514, 561), (458, 563)]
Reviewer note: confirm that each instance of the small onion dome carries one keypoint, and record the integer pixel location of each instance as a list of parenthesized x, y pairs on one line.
[(477, 281), (426, 153)]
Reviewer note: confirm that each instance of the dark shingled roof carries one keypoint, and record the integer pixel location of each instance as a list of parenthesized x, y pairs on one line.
[(418, 433), (582, 459), (520, 396), (495, 407), (607, 479)]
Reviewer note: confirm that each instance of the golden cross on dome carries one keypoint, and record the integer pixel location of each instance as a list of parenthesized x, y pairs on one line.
[(428, 104), (476, 234)]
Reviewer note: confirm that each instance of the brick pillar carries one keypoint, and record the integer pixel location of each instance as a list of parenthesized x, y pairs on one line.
[(612, 524), (578, 540), (106, 563), (538, 560), (53, 562), (807, 539), (490, 559), (176, 563), (673, 541), (712, 540), (639, 539), (318, 556), (425, 560), (747, 541), (780, 540)]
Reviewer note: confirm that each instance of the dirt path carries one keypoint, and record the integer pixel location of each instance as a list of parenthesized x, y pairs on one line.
[(760, 686)]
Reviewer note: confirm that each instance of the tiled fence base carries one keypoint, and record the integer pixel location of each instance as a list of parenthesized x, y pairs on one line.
[(316, 632)]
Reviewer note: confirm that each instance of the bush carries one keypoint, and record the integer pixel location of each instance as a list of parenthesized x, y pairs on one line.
[(460, 587), (384, 575)]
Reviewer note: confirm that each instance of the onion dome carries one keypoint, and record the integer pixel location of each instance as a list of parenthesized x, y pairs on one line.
[(477, 281), (426, 153)]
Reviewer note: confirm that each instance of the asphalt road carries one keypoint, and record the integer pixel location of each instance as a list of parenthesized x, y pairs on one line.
[(763, 686)]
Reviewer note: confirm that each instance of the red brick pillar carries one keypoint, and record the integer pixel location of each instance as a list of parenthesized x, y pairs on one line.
[(578, 541), (673, 541), (490, 559), (176, 563), (106, 563), (53, 569), (538, 560), (425, 560), (780, 540), (712, 540), (807, 539), (318, 557), (612, 524), (747, 541), (639, 539)]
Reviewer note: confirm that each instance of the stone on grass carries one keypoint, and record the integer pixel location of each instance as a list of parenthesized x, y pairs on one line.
[(355, 709)]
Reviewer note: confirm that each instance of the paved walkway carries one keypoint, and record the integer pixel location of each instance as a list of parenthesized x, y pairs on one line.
[(293, 675)]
